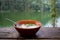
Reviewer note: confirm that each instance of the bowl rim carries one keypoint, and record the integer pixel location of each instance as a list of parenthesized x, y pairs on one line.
[(28, 20)]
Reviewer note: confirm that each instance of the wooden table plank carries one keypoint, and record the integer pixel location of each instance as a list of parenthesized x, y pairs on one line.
[(43, 33), (29, 39)]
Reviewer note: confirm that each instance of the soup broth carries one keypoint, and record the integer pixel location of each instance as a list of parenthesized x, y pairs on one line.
[(28, 26)]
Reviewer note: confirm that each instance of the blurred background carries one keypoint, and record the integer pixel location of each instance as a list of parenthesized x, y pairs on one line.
[(39, 10)]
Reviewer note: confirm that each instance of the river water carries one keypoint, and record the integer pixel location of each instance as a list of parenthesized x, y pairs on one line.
[(50, 25)]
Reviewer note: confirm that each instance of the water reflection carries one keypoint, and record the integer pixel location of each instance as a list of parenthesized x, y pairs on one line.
[(50, 25)]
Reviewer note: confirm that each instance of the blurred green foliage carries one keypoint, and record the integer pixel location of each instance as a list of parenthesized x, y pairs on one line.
[(26, 9)]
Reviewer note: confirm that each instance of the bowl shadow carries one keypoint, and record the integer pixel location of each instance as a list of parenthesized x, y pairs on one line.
[(28, 36)]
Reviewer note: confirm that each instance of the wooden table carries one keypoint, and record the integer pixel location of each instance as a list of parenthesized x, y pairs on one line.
[(45, 33)]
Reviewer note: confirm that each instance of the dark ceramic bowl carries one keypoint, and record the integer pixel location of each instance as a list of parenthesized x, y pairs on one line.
[(27, 31)]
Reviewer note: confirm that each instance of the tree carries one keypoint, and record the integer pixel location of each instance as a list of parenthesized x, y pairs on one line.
[(53, 12)]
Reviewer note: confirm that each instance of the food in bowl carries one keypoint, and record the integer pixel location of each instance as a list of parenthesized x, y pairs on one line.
[(27, 27)]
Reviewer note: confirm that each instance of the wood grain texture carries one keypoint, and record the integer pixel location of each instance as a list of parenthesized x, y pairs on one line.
[(43, 33)]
